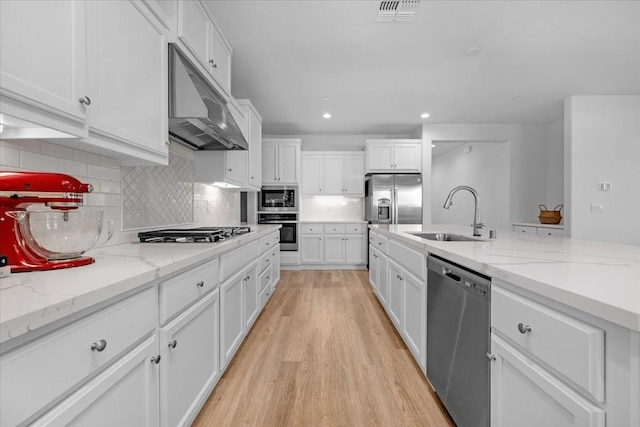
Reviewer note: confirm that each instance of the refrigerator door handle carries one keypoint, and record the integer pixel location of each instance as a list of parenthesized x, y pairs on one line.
[(394, 216)]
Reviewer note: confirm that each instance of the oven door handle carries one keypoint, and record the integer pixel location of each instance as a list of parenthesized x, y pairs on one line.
[(278, 222)]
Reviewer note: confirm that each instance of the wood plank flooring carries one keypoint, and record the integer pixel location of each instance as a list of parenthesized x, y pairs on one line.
[(323, 353)]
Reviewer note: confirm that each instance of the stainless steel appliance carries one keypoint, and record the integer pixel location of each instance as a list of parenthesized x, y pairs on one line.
[(393, 199), (289, 230), (278, 198), (192, 235), (458, 338), (198, 114)]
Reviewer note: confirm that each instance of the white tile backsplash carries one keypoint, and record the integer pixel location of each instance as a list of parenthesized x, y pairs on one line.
[(37, 162), (86, 157), (215, 206), (72, 167), (332, 208), (9, 157), (57, 151)]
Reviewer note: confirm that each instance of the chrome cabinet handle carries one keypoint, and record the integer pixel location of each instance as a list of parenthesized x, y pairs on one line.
[(268, 260), (524, 329), (155, 359), (229, 170), (200, 284), (173, 344), (99, 346), (213, 64), (268, 277), (85, 100), (491, 357)]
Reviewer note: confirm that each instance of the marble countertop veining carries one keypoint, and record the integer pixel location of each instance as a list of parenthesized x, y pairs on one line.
[(599, 278), (31, 300)]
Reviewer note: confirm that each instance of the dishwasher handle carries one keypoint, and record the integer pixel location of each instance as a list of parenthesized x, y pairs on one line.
[(450, 275)]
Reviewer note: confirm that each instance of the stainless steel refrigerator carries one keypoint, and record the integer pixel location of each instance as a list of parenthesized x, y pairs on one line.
[(393, 199)]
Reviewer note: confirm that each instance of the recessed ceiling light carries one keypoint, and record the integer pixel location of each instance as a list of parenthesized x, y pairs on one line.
[(516, 98), (433, 145), (473, 51), (424, 115), (325, 98), (326, 116)]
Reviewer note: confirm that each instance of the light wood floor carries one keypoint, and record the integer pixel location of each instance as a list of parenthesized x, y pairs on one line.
[(323, 353)]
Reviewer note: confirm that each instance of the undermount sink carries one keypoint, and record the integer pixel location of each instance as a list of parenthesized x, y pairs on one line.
[(446, 237)]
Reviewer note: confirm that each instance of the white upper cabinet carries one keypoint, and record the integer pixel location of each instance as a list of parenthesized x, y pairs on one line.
[(254, 138), (43, 62), (394, 155), (200, 35), (333, 173), (127, 77), (281, 161)]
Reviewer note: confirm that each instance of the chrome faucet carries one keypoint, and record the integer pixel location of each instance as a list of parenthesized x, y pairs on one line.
[(476, 216)]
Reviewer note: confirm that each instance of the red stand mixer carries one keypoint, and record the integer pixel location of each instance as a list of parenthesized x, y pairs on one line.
[(24, 249)]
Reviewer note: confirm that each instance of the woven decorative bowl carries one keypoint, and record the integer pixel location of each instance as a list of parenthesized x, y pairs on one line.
[(550, 217)]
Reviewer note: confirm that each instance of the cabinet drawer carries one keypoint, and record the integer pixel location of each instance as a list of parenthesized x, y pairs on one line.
[(36, 374), (266, 243), (310, 228), (571, 347), (237, 259), (413, 260), (275, 239), (265, 260), (265, 294), (265, 278), (524, 229), (550, 231), (373, 239), (356, 228), (335, 228), (180, 291), (382, 243)]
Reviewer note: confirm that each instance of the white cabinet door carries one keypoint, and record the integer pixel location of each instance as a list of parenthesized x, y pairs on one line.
[(524, 394), (126, 394), (333, 172), (354, 175), (414, 311), (355, 249), (219, 61), (127, 76), (395, 294), (334, 248), (190, 351), (193, 30), (373, 268), (383, 279), (269, 163), (231, 318), (43, 55), (254, 137), (275, 265), (288, 163), (236, 164), (251, 289), (407, 157), (379, 157), (312, 175), (311, 249)]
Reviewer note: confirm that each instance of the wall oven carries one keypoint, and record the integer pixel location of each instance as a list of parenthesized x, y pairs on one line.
[(278, 198), (289, 230)]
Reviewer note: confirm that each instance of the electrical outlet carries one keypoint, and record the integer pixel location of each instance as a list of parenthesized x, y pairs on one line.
[(597, 209)]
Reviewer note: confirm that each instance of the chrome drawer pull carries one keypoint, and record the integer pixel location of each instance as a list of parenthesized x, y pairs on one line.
[(200, 284), (491, 357), (99, 346), (524, 329), (155, 359), (173, 344)]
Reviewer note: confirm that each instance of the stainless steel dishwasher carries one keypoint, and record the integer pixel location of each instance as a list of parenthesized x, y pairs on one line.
[(458, 340)]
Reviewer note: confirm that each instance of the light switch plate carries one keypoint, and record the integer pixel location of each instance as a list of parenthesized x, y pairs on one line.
[(597, 209)]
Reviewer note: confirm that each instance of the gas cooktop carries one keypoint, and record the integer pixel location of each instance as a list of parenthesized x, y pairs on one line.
[(192, 235)]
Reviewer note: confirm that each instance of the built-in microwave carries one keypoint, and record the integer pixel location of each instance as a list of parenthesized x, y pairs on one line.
[(278, 198)]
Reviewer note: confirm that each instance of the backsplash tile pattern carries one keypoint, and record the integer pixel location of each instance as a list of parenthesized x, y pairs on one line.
[(100, 171), (332, 208), (158, 195), (215, 206)]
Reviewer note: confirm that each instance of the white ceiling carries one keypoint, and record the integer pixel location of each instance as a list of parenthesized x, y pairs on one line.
[(379, 76)]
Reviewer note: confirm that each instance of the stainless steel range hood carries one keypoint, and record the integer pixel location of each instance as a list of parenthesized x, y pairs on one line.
[(198, 114)]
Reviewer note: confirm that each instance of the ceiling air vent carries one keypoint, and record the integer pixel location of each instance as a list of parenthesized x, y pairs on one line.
[(400, 11)]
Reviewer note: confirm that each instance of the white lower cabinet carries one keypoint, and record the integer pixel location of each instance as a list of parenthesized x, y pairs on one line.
[(414, 310), (275, 265), (334, 245), (383, 279), (311, 249), (394, 306), (190, 350), (334, 249), (251, 290), (524, 394), (373, 269), (126, 394), (231, 317)]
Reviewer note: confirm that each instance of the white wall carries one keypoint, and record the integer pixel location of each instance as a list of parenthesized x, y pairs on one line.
[(602, 144), (555, 164), (527, 161), (486, 168)]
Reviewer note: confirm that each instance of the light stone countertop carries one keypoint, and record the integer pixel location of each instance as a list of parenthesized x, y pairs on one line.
[(31, 300), (533, 224), (602, 279)]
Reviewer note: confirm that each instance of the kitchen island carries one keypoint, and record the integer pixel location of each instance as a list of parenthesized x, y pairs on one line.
[(564, 323)]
